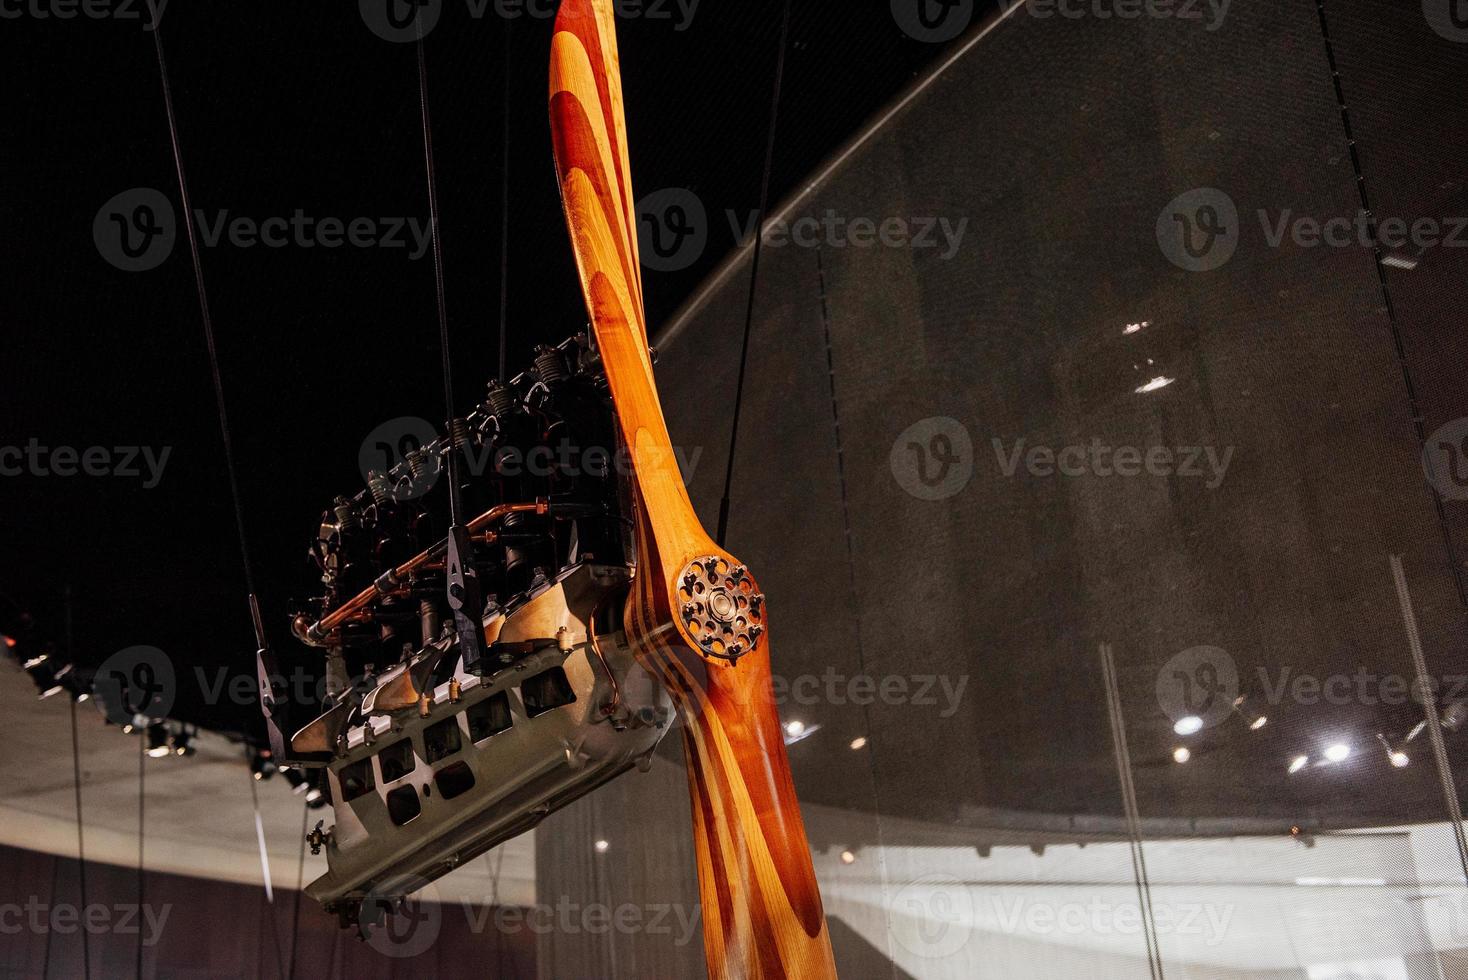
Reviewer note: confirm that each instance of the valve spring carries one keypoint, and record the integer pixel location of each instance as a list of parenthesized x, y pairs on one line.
[(549, 366), (418, 463), (501, 400), (381, 489), (460, 433), (346, 514)]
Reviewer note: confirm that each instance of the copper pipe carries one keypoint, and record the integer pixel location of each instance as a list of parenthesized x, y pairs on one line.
[(317, 632), (609, 709)]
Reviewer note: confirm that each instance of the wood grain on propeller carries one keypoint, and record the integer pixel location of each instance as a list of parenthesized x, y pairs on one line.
[(694, 613)]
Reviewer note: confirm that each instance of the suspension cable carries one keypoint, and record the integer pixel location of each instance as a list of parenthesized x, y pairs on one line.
[(188, 217), (76, 779), (505, 212), (764, 204), (436, 239)]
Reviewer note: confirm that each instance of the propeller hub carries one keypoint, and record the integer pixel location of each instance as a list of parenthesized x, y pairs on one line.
[(723, 609)]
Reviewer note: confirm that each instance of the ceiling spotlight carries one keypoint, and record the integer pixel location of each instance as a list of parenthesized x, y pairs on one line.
[(1395, 756), (603, 846), (1132, 328), (1255, 722), (1181, 754), (1191, 725), (1339, 752), (847, 857), (860, 742), (1299, 762), (262, 767), (796, 731), (157, 736), (1155, 384), (10, 641), (182, 741)]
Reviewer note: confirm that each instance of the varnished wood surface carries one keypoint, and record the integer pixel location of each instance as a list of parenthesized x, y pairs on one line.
[(761, 905)]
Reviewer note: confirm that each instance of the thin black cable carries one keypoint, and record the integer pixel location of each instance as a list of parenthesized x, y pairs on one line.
[(142, 797), (435, 237), (764, 203), (46, 953), (76, 778), (300, 880), (188, 216), (505, 212), (265, 877)]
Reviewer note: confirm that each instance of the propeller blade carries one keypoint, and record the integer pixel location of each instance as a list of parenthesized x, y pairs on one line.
[(694, 614)]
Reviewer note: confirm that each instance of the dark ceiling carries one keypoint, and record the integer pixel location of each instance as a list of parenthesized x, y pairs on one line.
[(284, 107)]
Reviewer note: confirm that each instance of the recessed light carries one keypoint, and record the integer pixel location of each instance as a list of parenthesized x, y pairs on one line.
[(795, 729), (1181, 754), (847, 857), (603, 846), (1191, 725), (1338, 752), (1258, 723), (1155, 384), (860, 742), (1299, 762)]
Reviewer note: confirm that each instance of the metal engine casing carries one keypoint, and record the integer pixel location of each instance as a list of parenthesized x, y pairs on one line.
[(547, 757)]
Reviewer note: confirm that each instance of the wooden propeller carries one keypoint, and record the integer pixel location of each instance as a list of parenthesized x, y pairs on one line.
[(694, 615)]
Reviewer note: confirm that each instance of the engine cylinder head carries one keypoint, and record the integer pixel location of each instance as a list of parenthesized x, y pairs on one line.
[(499, 399), (380, 487), (550, 366)]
